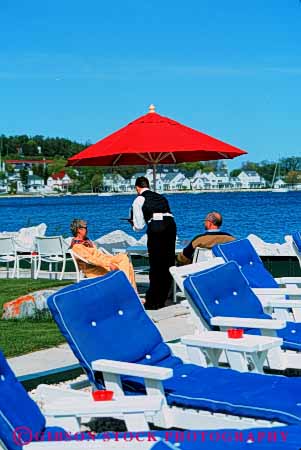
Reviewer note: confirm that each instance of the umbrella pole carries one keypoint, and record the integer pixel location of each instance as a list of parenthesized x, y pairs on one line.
[(155, 177)]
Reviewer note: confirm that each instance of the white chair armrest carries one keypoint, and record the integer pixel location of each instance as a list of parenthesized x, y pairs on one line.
[(81, 407), (291, 291), (267, 324), (283, 304), (288, 280), (179, 273), (132, 369)]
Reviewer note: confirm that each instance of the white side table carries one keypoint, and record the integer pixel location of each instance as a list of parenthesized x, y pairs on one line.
[(238, 351)]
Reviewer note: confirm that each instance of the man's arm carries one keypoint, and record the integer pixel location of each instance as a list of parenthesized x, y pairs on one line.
[(138, 218), (186, 256)]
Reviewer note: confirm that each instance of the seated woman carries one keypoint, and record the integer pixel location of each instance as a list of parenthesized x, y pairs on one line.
[(98, 262)]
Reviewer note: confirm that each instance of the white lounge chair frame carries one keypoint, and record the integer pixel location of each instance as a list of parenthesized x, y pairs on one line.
[(277, 358), (64, 407), (168, 416)]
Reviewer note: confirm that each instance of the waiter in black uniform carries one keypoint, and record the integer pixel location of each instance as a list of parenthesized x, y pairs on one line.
[(152, 209)]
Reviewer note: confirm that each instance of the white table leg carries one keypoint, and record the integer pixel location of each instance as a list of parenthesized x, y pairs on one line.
[(214, 355), (237, 360), (258, 360)]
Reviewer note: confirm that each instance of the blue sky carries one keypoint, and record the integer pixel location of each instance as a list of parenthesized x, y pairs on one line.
[(81, 70)]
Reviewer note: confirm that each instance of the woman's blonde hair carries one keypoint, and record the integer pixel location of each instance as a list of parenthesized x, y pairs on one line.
[(76, 224)]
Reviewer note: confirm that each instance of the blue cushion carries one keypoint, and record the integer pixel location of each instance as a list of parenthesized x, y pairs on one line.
[(224, 291), (297, 240), (243, 252), (100, 318), (16, 407), (104, 318)]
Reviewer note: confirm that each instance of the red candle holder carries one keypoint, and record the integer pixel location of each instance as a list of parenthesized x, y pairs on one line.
[(234, 333), (102, 395)]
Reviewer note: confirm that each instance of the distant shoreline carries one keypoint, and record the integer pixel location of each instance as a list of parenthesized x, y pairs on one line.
[(109, 194)]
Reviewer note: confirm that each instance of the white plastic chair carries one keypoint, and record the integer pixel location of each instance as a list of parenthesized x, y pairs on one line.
[(51, 250), (76, 258), (8, 254), (201, 254)]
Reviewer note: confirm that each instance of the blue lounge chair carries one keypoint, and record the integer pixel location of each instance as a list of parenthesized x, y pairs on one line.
[(222, 297), (118, 345), (243, 252), (22, 425), (259, 277)]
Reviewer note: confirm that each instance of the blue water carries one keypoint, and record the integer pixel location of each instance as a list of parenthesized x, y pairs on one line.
[(269, 215)]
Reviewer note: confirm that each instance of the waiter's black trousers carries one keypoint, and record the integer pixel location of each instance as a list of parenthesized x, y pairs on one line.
[(161, 249)]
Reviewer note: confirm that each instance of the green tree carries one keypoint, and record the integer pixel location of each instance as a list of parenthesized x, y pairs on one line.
[(12, 187), (193, 166), (96, 182), (235, 172), (9, 169), (291, 164), (24, 176), (57, 165), (292, 177)]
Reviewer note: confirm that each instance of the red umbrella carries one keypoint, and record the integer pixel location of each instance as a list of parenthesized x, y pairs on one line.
[(154, 139)]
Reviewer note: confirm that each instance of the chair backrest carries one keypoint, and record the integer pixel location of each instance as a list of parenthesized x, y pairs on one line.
[(201, 254), (7, 246), (17, 409), (297, 240), (179, 273), (243, 252), (50, 245), (102, 317), (222, 291)]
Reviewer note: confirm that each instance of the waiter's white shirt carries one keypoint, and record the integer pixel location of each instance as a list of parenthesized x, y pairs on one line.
[(138, 218)]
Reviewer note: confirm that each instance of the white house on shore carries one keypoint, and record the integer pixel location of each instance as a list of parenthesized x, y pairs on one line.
[(168, 180), (251, 180), (35, 184), (59, 181), (114, 182)]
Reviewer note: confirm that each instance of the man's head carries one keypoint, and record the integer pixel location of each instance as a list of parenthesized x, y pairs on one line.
[(213, 221), (141, 183), (79, 228)]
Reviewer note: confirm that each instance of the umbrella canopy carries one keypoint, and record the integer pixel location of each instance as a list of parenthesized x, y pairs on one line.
[(154, 139)]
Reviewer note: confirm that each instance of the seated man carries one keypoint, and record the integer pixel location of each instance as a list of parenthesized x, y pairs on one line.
[(212, 236), (98, 262)]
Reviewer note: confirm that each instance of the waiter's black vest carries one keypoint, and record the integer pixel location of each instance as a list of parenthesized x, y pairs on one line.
[(154, 203)]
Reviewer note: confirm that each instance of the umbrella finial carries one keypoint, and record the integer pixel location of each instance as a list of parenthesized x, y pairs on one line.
[(151, 108)]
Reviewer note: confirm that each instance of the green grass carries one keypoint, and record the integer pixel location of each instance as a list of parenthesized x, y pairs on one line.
[(27, 335)]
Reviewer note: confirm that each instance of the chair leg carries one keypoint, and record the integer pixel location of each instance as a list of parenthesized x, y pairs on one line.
[(38, 269), (16, 268), (7, 270), (63, 269)]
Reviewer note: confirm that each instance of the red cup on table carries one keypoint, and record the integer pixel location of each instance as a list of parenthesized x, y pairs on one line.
[(235, 333), (102, 395)]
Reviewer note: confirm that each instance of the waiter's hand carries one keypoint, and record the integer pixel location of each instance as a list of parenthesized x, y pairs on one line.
[(113, 266)]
